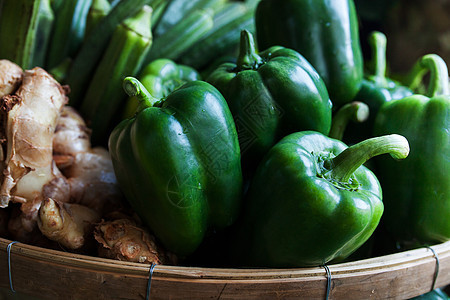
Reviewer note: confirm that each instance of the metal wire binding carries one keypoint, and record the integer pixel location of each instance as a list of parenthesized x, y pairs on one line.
[(436, 272), (149, 284), (8, 250), (328, 281)]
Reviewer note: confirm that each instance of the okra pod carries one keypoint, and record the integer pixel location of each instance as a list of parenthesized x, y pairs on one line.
[(69, 29), (124, 55), (18, 31), (59, 72), (56, 4), (98, 10), (221, 40), (44, 27), (177, 10), (228, 13), (94, 45), (159, 6), (182, 36)]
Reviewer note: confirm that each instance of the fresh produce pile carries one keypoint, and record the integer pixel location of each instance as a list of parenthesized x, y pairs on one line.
[(218, 133)]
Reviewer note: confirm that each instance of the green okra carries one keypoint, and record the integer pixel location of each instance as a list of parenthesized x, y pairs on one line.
[(124, 55), (44, 27), (94, 45), (177, 10), (98, 10), (68, 30), (222, 39), (18, 31), (182, 36)]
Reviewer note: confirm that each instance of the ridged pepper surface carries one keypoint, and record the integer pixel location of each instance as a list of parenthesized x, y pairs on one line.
[(417, 190), (178, 163), (325, 32), (311, 201), (271, 94)]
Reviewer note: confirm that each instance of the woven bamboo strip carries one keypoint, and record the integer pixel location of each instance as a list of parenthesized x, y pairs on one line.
[(50, 274)]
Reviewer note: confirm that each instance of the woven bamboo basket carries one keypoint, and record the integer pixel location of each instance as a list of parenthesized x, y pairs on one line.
[(50, 274)]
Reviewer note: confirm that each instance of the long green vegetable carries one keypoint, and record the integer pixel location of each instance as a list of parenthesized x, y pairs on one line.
[(44, 23), (18, 30), (124, 56), (158, 10), (222, 39), (68, 31), (178, 10), (93, 47), (182, 36), (98, 10)]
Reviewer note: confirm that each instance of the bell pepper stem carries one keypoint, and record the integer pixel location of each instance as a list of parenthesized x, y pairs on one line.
[(248, 58), (377, 43), (346, 163), (134, 88), (355, 111), (438, 84)]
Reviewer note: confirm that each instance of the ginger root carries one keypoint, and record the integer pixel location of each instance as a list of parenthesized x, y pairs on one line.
[(66, 223), (59, 186), (93, 182), (10, 77), (87, 179), (72, 136), (19, 230), (32, 114), (122, 239), (89, 171)]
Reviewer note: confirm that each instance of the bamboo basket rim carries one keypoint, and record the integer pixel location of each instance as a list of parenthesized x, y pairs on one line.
[(394, 271), (396, 260)]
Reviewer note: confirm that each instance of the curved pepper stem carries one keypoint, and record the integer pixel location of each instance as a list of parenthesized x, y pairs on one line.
[(437, 67), (248, 58), (346, 163), (355, 111), (377, 43), (134, 88)]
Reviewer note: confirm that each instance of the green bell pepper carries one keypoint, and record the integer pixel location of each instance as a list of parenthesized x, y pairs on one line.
[(178, 163), (325, 32), (311, 201), (161, 77), (417, 189), (270, 95), (376, 89)]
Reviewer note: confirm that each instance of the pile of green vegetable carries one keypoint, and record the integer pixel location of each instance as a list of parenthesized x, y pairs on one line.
[(246, 127), (91, 45)]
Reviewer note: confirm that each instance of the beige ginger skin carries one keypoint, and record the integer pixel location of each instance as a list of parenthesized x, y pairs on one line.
[(30, 126)]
